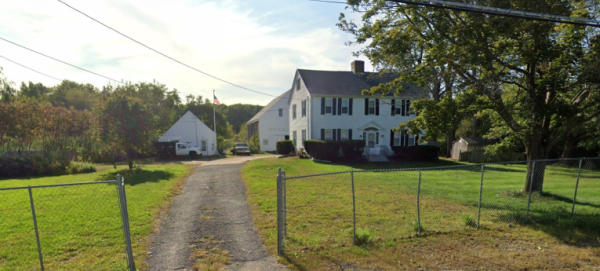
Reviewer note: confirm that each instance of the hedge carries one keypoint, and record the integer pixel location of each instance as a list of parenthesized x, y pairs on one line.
[(285, 147), (39, 164), (349, 150), (417, 153)]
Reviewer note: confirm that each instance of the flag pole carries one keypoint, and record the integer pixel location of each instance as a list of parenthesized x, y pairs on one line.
[(214, 114)]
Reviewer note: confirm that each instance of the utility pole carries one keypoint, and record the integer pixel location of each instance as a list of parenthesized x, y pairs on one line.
[(214, 114)]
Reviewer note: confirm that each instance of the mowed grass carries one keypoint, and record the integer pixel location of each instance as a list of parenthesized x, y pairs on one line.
[(319, 217), (80, 226)]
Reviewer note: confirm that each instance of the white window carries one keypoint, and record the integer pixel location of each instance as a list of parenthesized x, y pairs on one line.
[(403, 139), (402, 107), (345, 106), (265, 141), (294, 111), (303, 135), (280, 112), (371, 108), (328, 105), (397, 135), (328, 134), (304, 108), (344, 134), (203, 145)]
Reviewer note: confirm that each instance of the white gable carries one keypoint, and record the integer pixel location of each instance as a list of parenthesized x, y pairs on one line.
[(190, 129)]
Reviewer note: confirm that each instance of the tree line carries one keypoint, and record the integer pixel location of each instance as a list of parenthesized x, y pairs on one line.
[(79, 121)]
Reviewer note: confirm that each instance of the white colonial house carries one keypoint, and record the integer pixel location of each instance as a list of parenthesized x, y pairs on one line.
[(271, 123), (329, 105), (190, 130)]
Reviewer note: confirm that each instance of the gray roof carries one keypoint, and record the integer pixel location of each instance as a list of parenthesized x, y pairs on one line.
[(269, 105), (347, 83)]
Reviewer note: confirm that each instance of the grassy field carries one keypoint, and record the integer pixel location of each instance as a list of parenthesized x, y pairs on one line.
[(320, 217), (80, 226)]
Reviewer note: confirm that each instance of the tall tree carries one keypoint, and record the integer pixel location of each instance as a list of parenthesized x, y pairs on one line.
[(530, 74)]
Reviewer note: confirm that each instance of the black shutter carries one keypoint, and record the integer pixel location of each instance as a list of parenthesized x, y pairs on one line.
[(323, 106), (417, 140), (339, 134), (391, 138), (403, 108), (366, 106), (322, 134), (334, 106), (407, 107), (393, 107), (339, 106), (350, 132), (402, 138), (334, 136), (377, 107), (377, 138), (350, 107)]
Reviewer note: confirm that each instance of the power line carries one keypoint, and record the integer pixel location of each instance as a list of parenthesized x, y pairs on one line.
[(163, 54), (29, 68), (491, 11), (502, 12), (61, 61)]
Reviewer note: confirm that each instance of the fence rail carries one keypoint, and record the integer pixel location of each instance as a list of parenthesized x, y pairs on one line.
[(494, 189), (44, 202)]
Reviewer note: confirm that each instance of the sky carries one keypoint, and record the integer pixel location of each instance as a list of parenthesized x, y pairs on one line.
[(254, 43)]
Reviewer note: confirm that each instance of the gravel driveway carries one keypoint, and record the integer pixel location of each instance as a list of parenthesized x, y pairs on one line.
[(210, 212)]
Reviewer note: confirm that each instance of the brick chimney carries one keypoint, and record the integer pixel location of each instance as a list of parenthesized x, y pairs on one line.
[(358, 66)]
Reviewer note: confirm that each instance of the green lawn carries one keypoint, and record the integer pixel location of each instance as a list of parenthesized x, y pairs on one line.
[(320, 216), (80, 226)]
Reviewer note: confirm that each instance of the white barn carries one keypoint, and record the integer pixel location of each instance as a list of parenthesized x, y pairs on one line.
[(271, 123), (191, 130)]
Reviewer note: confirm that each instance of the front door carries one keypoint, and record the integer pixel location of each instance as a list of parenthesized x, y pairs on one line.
[(371, 139)]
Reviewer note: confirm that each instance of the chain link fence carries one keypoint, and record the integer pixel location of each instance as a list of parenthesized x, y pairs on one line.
[(65, 226), (360, 206)]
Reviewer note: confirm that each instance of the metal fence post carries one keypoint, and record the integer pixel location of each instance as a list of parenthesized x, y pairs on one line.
[(353, 208), (576, 186), (35, 227), (480, 194), (530, 190), (280, 250), (125, 219), (284, 184), (418, 205)]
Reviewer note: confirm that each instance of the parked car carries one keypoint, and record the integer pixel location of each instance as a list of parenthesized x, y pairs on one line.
[(182, 149), (240, 148)]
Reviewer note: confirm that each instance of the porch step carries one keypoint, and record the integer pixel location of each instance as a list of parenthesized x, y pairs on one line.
[(377, 158)]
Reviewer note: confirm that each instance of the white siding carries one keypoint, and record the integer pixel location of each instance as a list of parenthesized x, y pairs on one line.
[(300, 123), (272, 127), (189, 129)]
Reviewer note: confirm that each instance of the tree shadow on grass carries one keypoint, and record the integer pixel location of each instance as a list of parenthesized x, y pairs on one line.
[(138, 176), (579, 230)]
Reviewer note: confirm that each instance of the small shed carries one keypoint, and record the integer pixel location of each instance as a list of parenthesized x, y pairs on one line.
[(191, 130), (469, 149)]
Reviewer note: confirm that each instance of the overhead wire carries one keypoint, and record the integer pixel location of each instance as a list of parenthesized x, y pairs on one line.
[(163, 54), (29, 68), (528, 15), (61, 61)]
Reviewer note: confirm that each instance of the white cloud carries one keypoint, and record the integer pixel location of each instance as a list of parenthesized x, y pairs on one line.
[(222, 38)]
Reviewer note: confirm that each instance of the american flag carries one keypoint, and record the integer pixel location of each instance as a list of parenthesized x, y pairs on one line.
[(215, 100)]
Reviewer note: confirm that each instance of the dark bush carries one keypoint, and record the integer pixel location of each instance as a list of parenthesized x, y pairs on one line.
[(39, 164), (335, 150), (285, 147), (417, 153)]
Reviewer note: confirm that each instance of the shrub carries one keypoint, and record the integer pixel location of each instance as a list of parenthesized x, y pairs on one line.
[(80, 167), (32, 164), (285, 147), (335, 150), (363, 237), (417, 153)]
